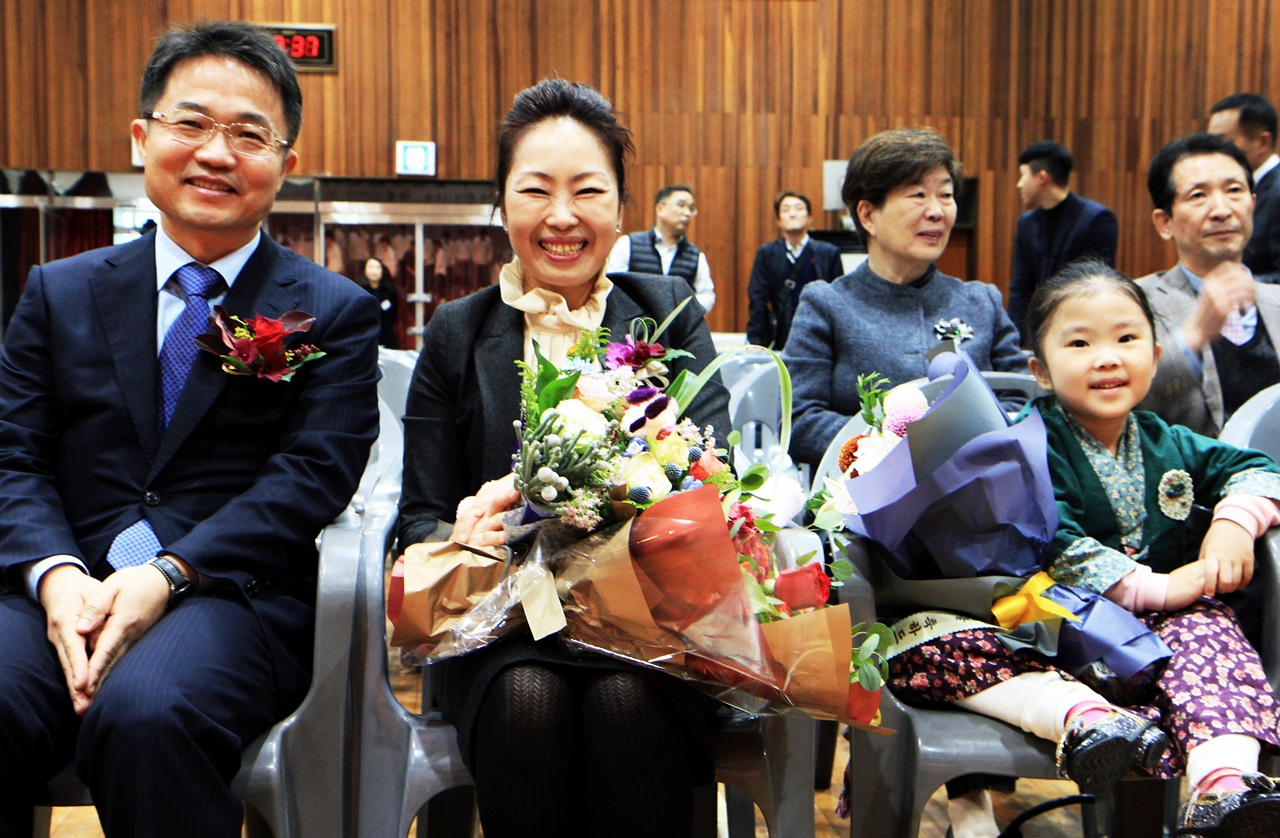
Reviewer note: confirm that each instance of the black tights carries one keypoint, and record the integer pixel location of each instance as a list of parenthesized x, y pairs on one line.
[(581, 753)]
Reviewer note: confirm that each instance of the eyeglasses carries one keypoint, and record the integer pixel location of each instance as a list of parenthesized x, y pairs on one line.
[(245, 138), (685, 205)]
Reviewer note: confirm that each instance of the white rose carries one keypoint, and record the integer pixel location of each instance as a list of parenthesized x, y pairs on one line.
[(576, 416)]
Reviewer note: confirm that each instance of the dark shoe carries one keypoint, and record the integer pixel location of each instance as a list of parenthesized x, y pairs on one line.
[(1254, 811), (1105, 751)]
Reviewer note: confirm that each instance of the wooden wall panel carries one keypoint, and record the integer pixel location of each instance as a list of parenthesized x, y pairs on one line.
[(741, 98)]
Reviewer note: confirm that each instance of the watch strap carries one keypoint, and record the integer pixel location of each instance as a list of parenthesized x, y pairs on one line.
[(180, 585)]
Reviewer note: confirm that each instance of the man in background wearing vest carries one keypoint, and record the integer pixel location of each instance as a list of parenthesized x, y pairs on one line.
[(664, 249)]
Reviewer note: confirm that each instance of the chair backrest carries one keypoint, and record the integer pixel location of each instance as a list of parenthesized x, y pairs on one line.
[(741, 365), (1257, 423), (397, 371), (755, 412)]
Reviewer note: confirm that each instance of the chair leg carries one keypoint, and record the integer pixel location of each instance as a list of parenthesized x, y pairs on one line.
[(41, 822), (824, 752), (705, 815), (255, 826), (450, 814), (741, 810)]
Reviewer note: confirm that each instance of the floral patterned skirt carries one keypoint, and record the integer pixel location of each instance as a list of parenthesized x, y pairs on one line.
[(1213, 684)]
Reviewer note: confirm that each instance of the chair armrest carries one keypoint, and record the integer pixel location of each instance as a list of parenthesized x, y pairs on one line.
[(1269, 574)]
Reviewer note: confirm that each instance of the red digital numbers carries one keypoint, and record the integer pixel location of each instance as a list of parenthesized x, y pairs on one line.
[(300, 46)]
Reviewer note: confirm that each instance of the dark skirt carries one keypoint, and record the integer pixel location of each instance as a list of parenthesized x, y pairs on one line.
[(459, 686)]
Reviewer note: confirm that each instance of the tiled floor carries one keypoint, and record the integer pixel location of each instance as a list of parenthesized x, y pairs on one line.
[(82, 823)]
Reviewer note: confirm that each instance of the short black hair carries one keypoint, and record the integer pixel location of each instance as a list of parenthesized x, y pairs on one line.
[(777, 202), (554, 98), (1051, 157), (243, 42), (1082, 277), (1160, 173), (667, 191), (1257, 114)]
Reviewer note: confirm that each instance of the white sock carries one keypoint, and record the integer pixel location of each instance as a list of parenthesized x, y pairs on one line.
[(972, 815), (1231, 750), (1036, 702)]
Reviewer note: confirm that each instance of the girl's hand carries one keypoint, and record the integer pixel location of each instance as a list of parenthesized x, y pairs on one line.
[(1227, 550), (479, 516), (1188, 583)]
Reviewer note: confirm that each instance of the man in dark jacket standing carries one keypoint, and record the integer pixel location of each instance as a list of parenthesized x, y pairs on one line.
[(1059, 226), (784, 266)]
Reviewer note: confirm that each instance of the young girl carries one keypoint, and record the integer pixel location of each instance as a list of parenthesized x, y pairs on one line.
[(1125, 482)]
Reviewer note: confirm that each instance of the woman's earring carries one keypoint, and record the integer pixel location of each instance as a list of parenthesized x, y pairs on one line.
[(618, 229)]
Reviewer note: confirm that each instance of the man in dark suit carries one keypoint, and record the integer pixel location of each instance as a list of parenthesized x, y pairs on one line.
[(783, 267), (159, 514), (1058, 227), (1249, 121)]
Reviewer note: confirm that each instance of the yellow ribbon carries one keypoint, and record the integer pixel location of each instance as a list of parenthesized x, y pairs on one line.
[(1028, 606)]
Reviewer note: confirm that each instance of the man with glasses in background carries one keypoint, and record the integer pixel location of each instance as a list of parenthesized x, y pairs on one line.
[(665, 249), (158, 560)]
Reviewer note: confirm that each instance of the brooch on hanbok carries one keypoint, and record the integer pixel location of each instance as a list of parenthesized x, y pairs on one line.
[(1175, 494)]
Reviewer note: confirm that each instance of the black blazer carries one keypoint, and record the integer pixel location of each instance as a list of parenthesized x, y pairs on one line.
[(247, 472), (771, 303), (1087, 229), (1262, 254), (465, 392)]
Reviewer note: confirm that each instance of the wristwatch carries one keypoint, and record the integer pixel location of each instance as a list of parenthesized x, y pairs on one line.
[(180, 585)]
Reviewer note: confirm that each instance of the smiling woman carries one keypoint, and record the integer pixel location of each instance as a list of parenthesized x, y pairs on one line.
[(546, 733)]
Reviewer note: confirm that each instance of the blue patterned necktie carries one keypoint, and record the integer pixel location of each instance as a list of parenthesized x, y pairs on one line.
[(199, 283), (138, 544)]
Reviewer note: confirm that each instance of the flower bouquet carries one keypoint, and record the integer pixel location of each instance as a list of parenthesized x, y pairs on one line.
[(962, 503), (635, 540)]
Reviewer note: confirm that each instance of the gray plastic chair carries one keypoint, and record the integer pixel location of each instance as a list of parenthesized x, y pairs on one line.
[(397, 371), (1257, 423), (294, 778), (742, 364)]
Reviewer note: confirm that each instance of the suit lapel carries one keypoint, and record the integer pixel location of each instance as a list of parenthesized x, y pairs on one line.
[(499, 344), (124, 297), (264, 287)]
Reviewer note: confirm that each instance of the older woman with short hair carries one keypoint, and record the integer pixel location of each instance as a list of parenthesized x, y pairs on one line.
[(900, 187)]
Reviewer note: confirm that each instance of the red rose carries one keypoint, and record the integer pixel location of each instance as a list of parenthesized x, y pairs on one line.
[(268, 334), (803, 587)]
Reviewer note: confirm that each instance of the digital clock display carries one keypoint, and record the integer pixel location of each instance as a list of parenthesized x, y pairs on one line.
[(311, 46)]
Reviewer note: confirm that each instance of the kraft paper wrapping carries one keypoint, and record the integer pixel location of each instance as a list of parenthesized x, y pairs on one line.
[(666, 591)]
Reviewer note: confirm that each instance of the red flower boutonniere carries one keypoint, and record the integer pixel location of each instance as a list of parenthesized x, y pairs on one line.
[(256, 346)]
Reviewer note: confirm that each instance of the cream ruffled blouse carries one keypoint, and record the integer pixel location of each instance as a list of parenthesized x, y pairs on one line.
[(547, 318)]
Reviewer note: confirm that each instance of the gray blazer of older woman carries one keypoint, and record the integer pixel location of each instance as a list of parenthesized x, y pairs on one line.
[(862, 323), (465, 391)]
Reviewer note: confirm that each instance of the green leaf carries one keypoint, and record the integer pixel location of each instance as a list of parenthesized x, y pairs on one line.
[(841, 569), (557, 391), (675, 312), (869, 646), (754, 477), (805, 558), (734, 437), (869, 677), (827, 520)]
